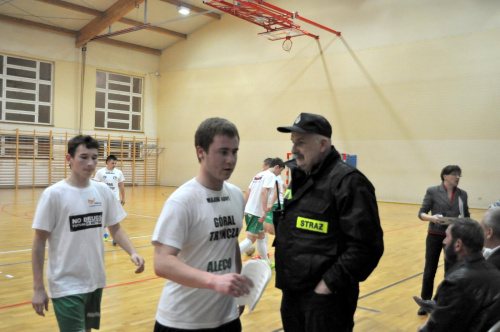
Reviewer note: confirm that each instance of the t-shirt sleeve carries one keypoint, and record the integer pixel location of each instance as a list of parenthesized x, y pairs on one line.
[(114, 210), (98, 176), (269, 181), (121, 178), (44, 215), (172, 226)]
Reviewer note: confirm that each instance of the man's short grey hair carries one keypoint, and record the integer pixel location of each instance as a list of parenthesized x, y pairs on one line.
[(492, 220)]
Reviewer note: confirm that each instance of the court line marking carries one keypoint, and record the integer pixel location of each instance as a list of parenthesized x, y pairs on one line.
[(23, 250), (141, 215), (111, 286)]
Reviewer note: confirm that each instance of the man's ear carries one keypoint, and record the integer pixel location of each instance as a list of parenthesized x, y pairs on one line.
[(200, 153), (489, 233), (458, 246), (324, 145)]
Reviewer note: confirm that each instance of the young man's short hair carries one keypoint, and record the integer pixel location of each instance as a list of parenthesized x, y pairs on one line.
[(267, 161), (470, 232), (211, 127), (277, 161), (111, 157), (75, 142)]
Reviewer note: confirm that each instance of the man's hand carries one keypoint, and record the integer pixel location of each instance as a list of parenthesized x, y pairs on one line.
[(232, 284), (322, 288), (138, 261), (40, 301)]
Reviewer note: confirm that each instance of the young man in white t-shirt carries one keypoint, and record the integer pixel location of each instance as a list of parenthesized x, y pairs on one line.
[(114, 178), (258, 201), (196, 240), (71, 215)]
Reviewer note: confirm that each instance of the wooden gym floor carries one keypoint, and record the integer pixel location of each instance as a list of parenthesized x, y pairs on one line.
[(130, 300)]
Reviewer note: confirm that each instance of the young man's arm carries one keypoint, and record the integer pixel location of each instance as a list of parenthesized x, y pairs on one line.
[(121, 187), (40, 298), (263, 197), (167, 265), (120, 236), (247, 194)]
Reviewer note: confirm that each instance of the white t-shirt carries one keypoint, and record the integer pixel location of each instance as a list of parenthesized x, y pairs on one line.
[(265, 179), (204, 224), (111, 178), (271, 194), (75, 218)]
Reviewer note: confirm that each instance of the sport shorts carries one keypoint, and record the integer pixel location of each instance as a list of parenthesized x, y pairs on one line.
[(79, 312)]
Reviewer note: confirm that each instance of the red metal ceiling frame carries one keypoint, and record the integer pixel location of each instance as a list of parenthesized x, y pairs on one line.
[(277, 18)]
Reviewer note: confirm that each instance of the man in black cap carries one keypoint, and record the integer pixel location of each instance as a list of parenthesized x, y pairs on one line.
[(328, 238)]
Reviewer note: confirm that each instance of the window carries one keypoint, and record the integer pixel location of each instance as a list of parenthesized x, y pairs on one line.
[(26, 146), (118, 102), (26, 88)]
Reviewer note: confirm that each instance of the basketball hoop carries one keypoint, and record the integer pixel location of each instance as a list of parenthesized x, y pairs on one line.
[(287, 44)]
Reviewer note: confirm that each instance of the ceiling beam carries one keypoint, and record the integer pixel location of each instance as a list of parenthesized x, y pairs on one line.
[(72, 33), (156, 29), (38, 26), (129, 46), (193, 8), (97, 13), (112, 15)]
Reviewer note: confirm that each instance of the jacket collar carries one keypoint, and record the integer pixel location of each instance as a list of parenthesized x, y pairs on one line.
[(469, 258), (328, 160), (301, 181)]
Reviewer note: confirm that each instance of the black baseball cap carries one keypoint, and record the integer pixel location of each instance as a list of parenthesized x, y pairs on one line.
[(309, 123)]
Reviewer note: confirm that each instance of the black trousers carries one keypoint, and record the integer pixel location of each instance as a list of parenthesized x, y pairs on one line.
[(433, 248), (233, 326), (311, 312)]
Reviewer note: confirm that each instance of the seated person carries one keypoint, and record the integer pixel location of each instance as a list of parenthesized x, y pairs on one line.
[(491, 228), (468, 299)]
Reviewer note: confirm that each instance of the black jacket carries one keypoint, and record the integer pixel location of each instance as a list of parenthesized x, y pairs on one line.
[(468, 299), (329, 229)]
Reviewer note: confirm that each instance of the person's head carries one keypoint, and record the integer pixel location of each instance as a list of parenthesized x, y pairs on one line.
[(277, 166), (210, 128), (267, 163), (491, 227), (451, 175), (464, 236), (311, 138), (111, 162), (82, 155), (216, 142)]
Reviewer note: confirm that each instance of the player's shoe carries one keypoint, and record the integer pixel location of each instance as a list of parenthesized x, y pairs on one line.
[(114, 243), (106, 237), (272, 265)]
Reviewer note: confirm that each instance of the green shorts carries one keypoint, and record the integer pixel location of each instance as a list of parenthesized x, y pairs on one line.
[(253, 225), (78, 312), (269, 215)]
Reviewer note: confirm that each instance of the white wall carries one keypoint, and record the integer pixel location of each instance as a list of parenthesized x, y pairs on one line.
[(410, 88)]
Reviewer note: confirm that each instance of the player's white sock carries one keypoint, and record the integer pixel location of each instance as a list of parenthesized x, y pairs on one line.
[(245, 245), (262, 249)]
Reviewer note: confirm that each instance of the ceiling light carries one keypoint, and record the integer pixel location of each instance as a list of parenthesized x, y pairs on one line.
[(183, 10)]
